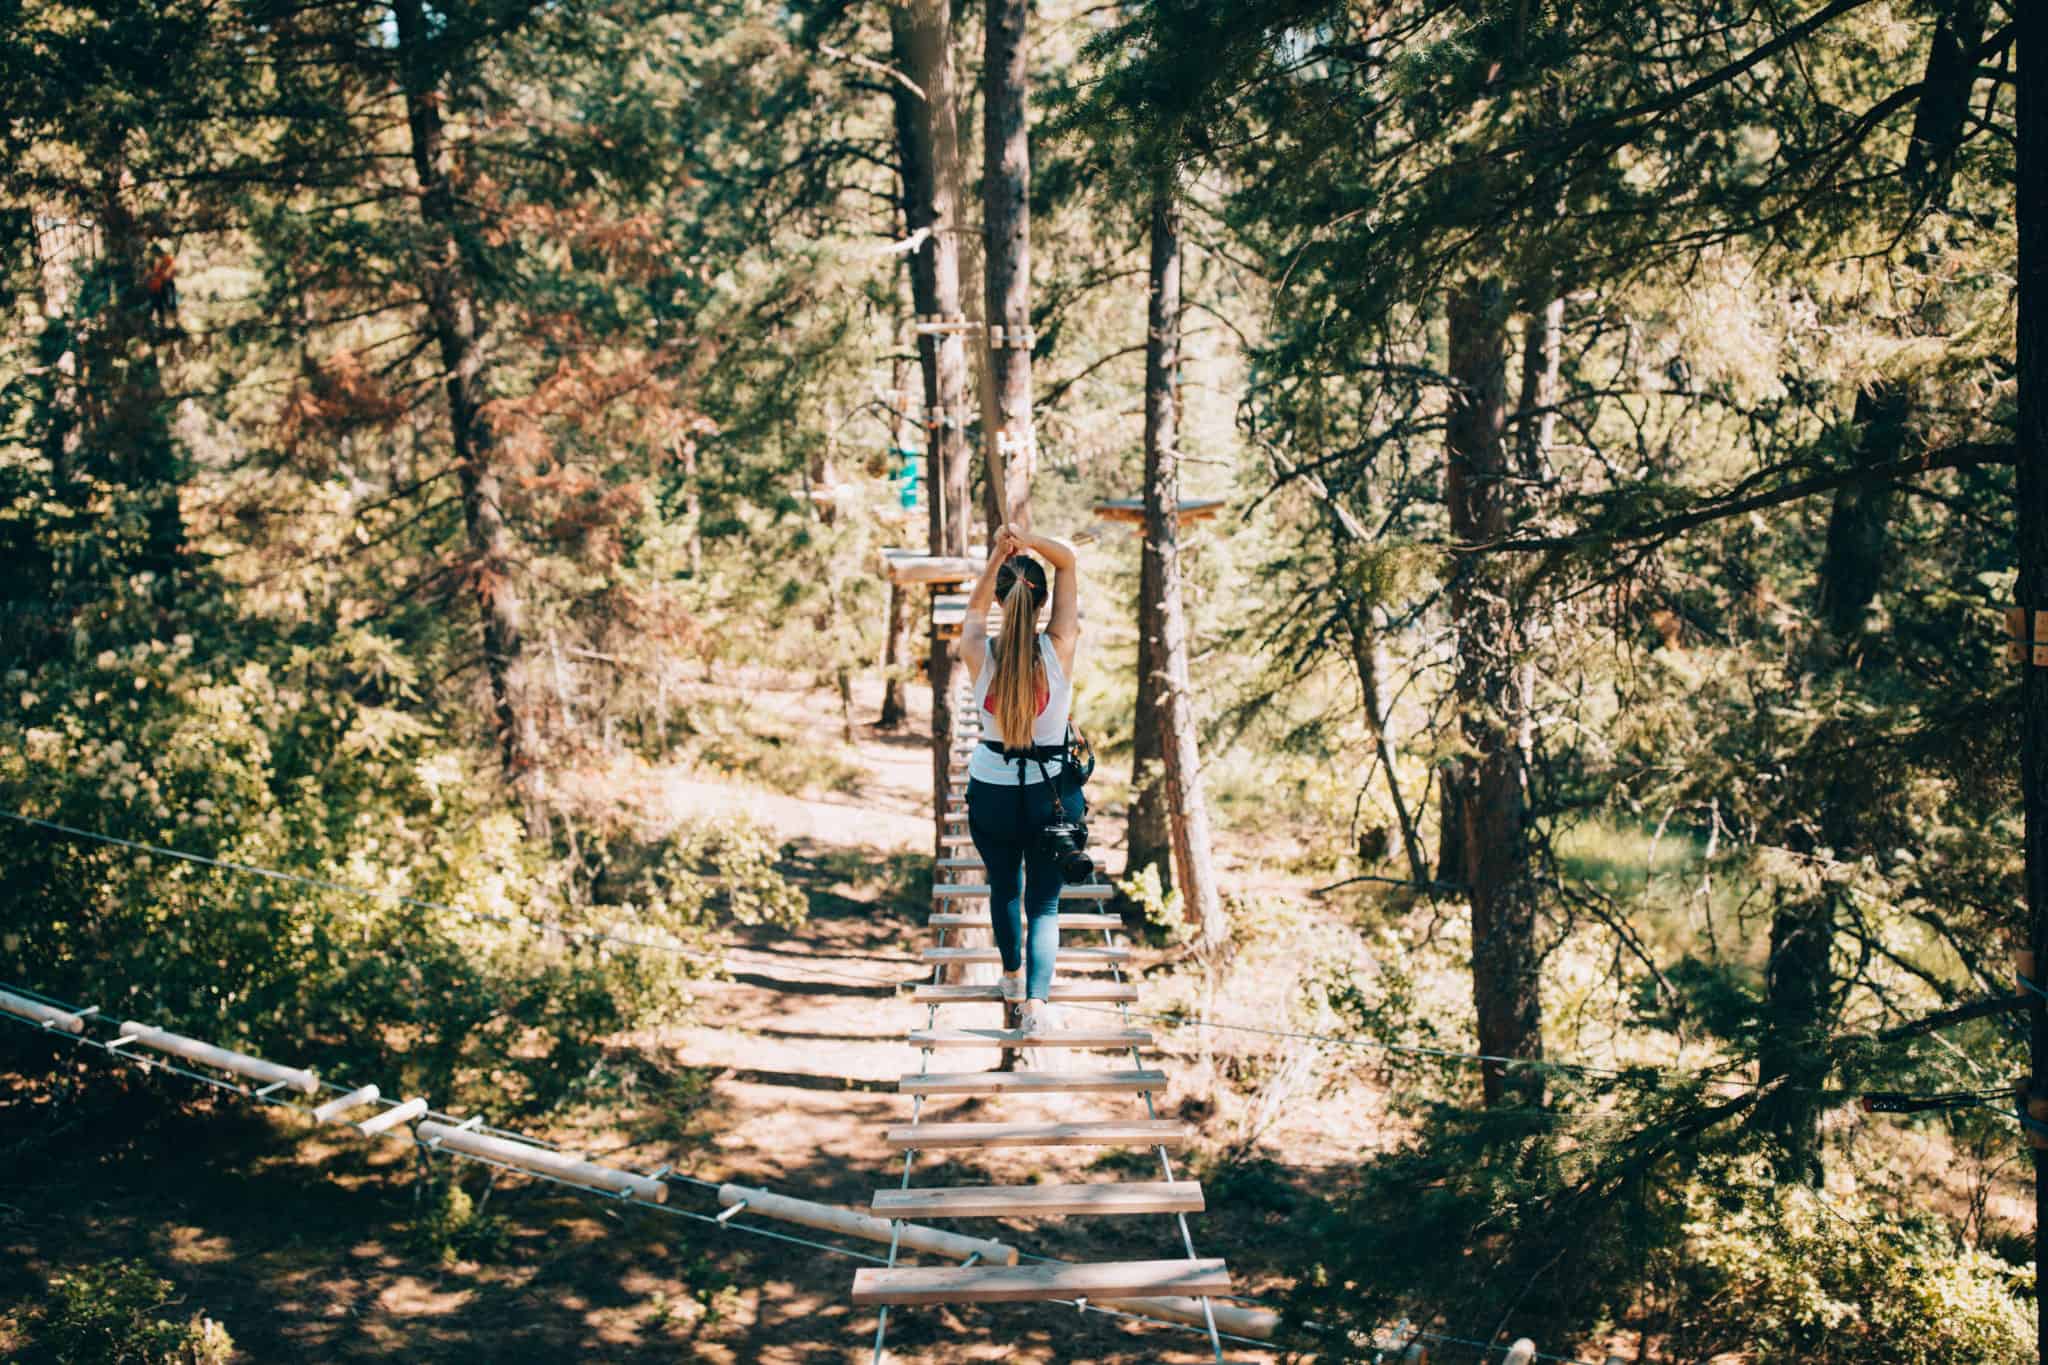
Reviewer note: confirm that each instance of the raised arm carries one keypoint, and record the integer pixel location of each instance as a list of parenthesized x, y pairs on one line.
[(974, 630), (1065, 628)]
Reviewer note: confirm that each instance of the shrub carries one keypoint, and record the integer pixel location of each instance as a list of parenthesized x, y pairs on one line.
[(120, 1313)]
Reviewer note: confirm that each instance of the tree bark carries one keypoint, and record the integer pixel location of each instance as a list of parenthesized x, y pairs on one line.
[(1006, 227), (124, 410), (1194, 863), (896, 649), (1542, 357), (928, 142), (1365, 661), (1492, 702), (894, 653), (452, 317), (1148, 837)]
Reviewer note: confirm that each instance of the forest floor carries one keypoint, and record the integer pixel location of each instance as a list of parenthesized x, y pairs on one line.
[(299, 1243)]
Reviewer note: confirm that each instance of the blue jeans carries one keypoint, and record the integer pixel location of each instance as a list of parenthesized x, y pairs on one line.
[(1023, 884)]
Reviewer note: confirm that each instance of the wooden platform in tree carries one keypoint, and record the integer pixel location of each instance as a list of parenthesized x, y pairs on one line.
[(1133, 509), (916, 566)]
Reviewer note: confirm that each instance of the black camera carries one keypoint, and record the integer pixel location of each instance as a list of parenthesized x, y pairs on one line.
[(1066, 843)]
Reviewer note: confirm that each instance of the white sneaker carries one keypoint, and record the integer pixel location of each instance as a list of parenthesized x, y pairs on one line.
[(1012, 987), (1040, 1019)]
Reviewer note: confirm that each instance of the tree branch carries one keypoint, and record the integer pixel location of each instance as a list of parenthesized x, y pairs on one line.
[(1967, 456)]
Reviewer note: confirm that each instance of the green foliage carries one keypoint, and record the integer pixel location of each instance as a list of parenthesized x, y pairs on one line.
[(1792, 1274), (1732, 1258), (122, 1313), (452, 1228), (270, 765)]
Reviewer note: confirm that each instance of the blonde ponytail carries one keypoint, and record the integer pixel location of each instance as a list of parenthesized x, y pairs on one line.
[(1020, 672)]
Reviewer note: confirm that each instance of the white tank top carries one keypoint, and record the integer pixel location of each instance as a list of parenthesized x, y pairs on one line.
[(986, 765)]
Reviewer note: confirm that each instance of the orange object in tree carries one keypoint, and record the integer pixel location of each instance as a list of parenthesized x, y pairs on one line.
[(162, 271)]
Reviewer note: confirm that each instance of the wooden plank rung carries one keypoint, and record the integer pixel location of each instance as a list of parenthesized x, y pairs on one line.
[(1077, 958), (874, 1285), (1119, 1133), (1072, 919), (1063, 992), (1032, 1082), (1028, 1201), (1086, 891), (1116, 1038)]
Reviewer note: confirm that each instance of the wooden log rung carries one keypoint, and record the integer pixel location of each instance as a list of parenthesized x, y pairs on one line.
[(49, 1016), (853, 1223), (223, 1059), (527, 1156)]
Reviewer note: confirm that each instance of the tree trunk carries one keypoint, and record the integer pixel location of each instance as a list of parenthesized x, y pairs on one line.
[(928, 142), (452, 317), (1799, 977), (2030, 517), (896, 650), (1148, 838), (126, 412), (1006, 230), (1492, 702), (1194, 864), (1450, 822), (894, 654), (824, 475), (1365, 662), (1536, 415)]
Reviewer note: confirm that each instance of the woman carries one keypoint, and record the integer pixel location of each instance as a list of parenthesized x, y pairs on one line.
[(1023, 688)]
